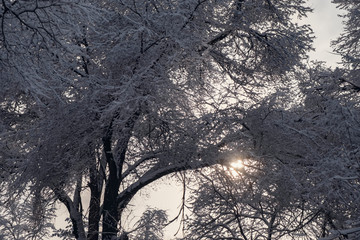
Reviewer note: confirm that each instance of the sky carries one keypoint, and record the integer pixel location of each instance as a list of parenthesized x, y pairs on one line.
[(167, 194), (327, 26)]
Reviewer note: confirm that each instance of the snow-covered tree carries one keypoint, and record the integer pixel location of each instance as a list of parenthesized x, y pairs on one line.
[(347, 45), (255, 201), (151, 225), (26, 219), (300, 177), (109, 96)]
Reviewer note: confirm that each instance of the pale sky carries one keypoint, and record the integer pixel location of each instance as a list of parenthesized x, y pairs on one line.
[(166, 194), (327, 26)]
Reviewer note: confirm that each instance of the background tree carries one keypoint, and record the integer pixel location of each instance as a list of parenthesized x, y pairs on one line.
[(251, 202), (347, 44), (26, 219), (150, 226), (323, 148), (301, 173)]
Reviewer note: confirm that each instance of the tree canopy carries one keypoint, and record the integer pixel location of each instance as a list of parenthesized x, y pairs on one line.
[(103, 98)]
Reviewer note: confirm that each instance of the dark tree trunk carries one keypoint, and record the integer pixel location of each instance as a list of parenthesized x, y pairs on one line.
[(94, 216), (110, 214), (95, 185)]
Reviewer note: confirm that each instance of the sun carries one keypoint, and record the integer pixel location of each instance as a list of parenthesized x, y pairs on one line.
[(237, 164)]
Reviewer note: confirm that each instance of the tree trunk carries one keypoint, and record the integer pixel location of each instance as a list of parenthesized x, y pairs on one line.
[(94, 217), (75, 215), (110, 213), (78, 226), (111, 216), (95, 184)]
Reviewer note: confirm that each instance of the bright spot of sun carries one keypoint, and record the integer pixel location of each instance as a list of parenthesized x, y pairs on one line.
[(238, 164)]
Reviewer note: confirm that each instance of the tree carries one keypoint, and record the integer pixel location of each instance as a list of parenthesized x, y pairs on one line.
[(301, 174), (347, 44), (251, 202), (151, 224), (132, 91), (26, 219)]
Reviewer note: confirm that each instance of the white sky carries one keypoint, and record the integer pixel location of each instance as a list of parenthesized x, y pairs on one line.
[(167, 194), (327, 26)]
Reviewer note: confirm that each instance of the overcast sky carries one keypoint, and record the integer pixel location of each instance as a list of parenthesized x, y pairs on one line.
[(327, 26)]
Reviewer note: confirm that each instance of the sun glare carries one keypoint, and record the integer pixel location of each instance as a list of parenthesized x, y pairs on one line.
[(238, 164)]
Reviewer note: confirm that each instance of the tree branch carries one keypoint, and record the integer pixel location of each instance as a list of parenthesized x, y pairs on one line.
[(75, 215)]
